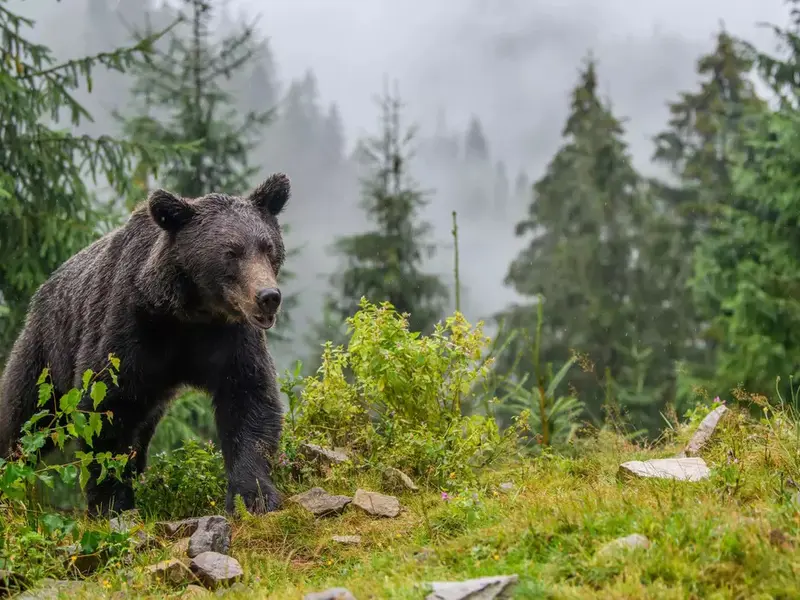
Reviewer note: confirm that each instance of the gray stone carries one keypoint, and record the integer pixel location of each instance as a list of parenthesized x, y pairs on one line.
[(176, 529), (215, 570), (194, 591), (53, 589), (213, 534), (681, 469), (506, 486), (347, 539), (320, 503), (331, 594), (484, 588), (171, 572), (324, 454), (377, 504), (399, 480), (704, 432), (125, 521), (629, 542)]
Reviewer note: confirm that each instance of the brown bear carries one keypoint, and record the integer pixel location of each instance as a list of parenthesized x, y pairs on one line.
[(182, 294)]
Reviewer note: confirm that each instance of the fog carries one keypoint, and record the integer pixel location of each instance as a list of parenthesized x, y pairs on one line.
[(511, 63)]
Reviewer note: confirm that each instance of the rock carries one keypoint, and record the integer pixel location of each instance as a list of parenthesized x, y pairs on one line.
[(53, 589), (704, 432), (176, 529), (83, 563), (125, 521), (331, 594), (11, 583), (193, 591), (399, 480), (506, 486), (682, 469), (377, 504), (214, 569), (213, 534), (180, 548), (324, 454), (484, 588), (347, 539), (237, 587), (629, 542), (318, 502), (172, 572)]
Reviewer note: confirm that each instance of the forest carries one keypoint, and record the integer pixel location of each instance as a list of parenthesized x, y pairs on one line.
[(635, 305)]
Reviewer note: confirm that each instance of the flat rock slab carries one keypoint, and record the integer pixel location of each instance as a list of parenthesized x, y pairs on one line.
[(213, 534), (125, 521), (629, 542), (320, 503), (705, 431), (324, 454), (399, 480), (347, 539), (484, 588), (176, 529), (53, 589), (171, 572), (215, 570), (681, 469), (377, 504), (331, 594)]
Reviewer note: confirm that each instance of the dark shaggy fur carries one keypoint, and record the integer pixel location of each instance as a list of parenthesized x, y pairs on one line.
[(182, 294)]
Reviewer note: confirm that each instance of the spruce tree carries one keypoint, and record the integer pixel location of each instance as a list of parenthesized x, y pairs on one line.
[(386, 263), (704, 139), (47, 211), (182, 99), (582, 226)]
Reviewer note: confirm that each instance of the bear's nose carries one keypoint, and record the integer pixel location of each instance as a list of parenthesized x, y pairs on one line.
[(269, 299)]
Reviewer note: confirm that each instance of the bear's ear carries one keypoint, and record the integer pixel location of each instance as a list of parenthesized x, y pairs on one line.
[(272, 195), (169, 211)]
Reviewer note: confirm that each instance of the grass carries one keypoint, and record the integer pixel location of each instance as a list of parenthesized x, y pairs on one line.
[(732, 536)]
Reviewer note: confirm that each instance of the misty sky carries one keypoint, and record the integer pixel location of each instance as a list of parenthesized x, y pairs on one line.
[(511, 62)]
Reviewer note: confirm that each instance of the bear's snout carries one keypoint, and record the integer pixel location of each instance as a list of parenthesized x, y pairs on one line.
[(268, 300)]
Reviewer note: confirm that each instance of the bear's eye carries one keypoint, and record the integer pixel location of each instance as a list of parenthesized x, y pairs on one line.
[(234, 252), (265, 247)]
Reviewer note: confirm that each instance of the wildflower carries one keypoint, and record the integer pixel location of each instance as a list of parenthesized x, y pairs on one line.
[(73, 558), (106, 583), (213, 503), (496, 557), (329, 563), (453, 475), (445, 497)]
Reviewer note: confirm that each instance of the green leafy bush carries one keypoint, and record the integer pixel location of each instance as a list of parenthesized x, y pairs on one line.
[(394, 397), (186, 482), (35, 542)]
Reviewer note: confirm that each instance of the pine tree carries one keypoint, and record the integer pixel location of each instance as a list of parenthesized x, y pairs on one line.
[(704, 140), (582, 224), (747, 270), (46, 210), (386, 264), (184, 83), (182, 100)]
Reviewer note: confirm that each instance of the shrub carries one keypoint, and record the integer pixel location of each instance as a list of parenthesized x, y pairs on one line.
[(394, 397), (35, 542), (186, 482)]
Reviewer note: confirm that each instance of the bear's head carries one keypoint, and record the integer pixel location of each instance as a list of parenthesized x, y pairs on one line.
[(230, 248)]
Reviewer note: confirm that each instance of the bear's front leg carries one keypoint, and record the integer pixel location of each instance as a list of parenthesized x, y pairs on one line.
[(248, 415)]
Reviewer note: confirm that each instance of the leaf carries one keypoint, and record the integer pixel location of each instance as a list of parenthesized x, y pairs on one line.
[(43, 376), (69, 474), (114, 361), (87, 377), (95, 422), (45, 393), (98, 393), (69, 401), (562, 372)]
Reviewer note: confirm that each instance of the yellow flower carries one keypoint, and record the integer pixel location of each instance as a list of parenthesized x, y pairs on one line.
[(330, 562), (453, 475), (496, 557), (213, 503), (73, 558)]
